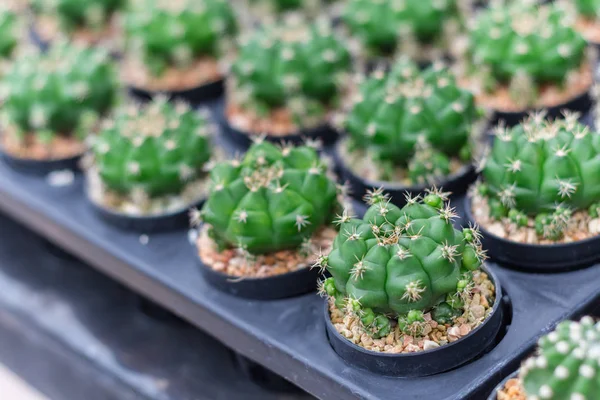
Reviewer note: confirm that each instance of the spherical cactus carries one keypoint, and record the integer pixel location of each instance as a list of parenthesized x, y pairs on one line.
[(291, 75), (176, 34), (588, 8), (566, 366), (8, 32), (156, 149), (73, 15), (272, 200), (411, 118), (400, 261)]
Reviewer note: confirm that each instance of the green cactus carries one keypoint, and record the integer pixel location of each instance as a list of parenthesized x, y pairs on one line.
[(274, 199), (525, 43), (415, 119), (565, 366), (63, 91), (79, 14), (298, 67), (157, 148), (401, 262), (8, 31), (174, 33), (588, 8), (381, 25)]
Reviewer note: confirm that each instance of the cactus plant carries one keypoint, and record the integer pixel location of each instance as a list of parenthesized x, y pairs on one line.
[(566, 364), (271, 200), (296, 70), (401, 262), (526, 47), (8, 31), (62, 93), (74, 15), (543, 169), (154, 149), (175, 34), (588, 8), (412, 119)]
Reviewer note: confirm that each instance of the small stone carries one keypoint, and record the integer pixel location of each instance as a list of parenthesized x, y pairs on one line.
[(411, 348), (497, 229), (464, 329), (594, 226), (429, 345), (453, 334), (366, 340), (478, 311)]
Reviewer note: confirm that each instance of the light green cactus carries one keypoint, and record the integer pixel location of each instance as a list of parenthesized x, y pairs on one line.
[(299, 66), (273, 199), (588, 8), (8, 31), (175, 33), (543, 169), (401, 262), (156, 148), (63, 91), (79, 14), (567, 363), (412, 118)]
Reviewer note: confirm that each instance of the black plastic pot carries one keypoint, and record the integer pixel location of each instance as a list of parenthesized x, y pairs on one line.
[(537, 257), (493, 395), (427, 362), (197, 95), (457, 183), (40, 167)]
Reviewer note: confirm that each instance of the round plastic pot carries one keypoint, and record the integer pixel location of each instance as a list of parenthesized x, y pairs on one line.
[(494, 394), (457, 183), (197, 95), (537, 257), (40, 167), (426, 362)]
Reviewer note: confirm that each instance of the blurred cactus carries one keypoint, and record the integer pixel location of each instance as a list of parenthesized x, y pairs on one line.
[(588, 8), (8, 31), (79, 14)]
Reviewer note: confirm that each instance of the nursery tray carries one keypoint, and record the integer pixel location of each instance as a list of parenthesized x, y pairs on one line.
[(287, 336)]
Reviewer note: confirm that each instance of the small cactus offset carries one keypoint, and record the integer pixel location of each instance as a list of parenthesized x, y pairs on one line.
[(61, 92), (273, 199), (167, 34), (413, 119), (566, 366), (543, 169), (154, 149), (9, 24), (298, 68), (73, 15), (401, 263)]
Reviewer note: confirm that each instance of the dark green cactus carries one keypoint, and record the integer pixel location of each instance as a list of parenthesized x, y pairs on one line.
[(297, 66), (525, 43), (8, 31), (63, 91), (401, 262), (566, 366), (415, 119), (174, 33), (274, 199), (157, 148), (588, 8), (78, 14)]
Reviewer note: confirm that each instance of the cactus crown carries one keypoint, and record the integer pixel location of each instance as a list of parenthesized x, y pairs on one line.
[(273, 199), (8, 31), (63, 91), (523, 39), (165, 33), (297, 66), (411, 116), (396, 260), (567, 363), (539, 164), (156, 148), (76, 14), (381, 24)]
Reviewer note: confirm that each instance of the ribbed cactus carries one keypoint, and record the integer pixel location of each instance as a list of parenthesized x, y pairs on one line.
[(567, 363), (400, 261), (175, 33), (273, 199), (8, 31), (525, 45), (79, 14), (543, 169), (381, 25), (411, 118), (298, 67), (63, 91), (157, 148)]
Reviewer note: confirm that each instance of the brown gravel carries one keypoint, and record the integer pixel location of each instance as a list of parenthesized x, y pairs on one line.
[(48, 28), (581, 227), (232, 262), (61, 147), (202, 71), (589, 28), (512, 390), (478, 306)]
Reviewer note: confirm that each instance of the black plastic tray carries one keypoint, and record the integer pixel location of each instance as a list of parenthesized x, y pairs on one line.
[(287, 336)]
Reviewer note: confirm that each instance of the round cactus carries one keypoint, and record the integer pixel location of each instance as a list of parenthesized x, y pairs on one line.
[(175, 33), (413, 118), (566, 366), (400, 261), (8, 31), (157, 148), (79, 14), (588, 8), (295, 67), (63, 91), (273, 199)]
